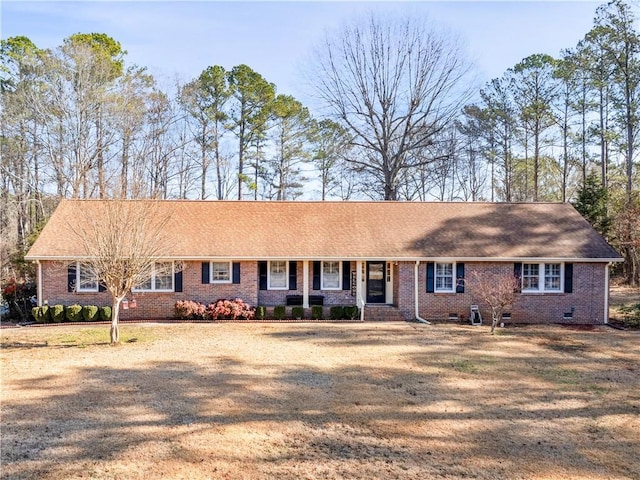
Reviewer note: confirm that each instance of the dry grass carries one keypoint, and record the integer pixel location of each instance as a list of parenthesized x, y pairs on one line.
[(361, 401), (622, 295)]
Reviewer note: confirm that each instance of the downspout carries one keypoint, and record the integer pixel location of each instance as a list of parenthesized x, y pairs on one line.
[(415, 295), (39, 290), (606, 293)]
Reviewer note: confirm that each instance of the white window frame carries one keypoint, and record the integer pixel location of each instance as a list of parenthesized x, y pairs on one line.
[(286, 275), (79, 288), (524, 275), (322, 283), (453, 278), (153, 288), (230, 270), (542, 278)]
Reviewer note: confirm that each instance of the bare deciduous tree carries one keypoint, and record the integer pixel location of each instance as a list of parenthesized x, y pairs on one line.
[(497, 289), (123, 242), (395, 84)]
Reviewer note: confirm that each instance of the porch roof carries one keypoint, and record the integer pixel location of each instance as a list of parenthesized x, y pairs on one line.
[(349, 230)]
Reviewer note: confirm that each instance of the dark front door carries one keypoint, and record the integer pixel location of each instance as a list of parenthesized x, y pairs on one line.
[(375, 282)]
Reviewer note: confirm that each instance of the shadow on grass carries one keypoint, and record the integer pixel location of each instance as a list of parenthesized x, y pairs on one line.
[(407, 417)]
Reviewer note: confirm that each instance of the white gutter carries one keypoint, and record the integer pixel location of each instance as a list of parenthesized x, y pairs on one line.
[(39, 291), (606, 293), (415, 295)]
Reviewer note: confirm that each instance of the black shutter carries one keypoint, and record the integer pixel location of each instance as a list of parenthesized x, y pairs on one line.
[(177, 281), (293, 275), (346, 275), (460, 278), (71, 278), (262, 275), (101, 287), (517, 272), (236, 272), (568, 278), (316, 275), (205, 272), (430, 277)]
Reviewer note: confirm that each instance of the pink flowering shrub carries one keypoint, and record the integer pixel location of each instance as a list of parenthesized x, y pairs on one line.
[(219, 310), (230, 310), (190, 309)]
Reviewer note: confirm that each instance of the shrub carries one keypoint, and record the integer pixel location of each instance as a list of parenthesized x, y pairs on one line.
[(190, 309), (279, 312), (41, 314), (74, 313), (336, 312), (297, 312), (20, 296), (46, 313), (105, 313), (229, 310), (351, 312), (90, 313), (57, 313), (631, 315), (316, 312), (261, 312)]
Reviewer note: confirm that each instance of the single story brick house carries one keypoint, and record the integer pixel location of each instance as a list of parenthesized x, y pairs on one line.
[(402, 260)]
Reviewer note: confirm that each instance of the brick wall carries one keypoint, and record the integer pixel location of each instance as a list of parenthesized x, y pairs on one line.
[(152, 304), (331, 297), (587, 298)]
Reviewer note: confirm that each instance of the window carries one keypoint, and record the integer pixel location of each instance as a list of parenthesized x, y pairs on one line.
[(542, 277), (331, 275), (86, 279), (278, 275), (160, 280), (552, 277), (530, 276), (444, 281), (220, 272)]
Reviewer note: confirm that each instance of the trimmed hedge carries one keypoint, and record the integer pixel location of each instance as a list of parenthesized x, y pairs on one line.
[(336, 312), (57, 313), (297, 312), (74, 313), (104, 313), (261, 312), (279, 312), (351, 312), (41, 314), (90, 313), (316, 312)]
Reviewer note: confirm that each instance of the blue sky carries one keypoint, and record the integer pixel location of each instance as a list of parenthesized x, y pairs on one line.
[(180, 39)]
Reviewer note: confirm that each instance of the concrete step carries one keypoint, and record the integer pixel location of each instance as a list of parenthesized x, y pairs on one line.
[(382, 313)]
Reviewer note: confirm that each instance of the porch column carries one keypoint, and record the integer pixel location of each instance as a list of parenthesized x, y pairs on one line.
[(305, 284), (359, 283)]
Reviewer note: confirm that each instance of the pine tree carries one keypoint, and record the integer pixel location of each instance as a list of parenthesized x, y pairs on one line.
[(592, 204)]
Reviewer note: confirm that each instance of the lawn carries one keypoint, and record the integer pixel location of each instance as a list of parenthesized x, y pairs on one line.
[(293, 401)]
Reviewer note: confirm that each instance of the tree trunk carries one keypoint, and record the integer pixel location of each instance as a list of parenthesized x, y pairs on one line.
[(114, 332)]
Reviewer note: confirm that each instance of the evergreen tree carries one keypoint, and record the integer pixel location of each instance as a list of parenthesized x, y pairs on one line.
[(592, 204)]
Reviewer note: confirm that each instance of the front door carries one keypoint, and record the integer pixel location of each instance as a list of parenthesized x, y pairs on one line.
[(376, 287)]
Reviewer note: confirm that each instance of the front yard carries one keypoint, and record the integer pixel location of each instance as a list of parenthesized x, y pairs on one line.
[(386, 400)]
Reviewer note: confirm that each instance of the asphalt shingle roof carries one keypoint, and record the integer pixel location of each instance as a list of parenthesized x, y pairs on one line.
[(351, 230)]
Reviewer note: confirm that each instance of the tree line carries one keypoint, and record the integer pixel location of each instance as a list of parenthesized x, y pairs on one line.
[(398, 118)]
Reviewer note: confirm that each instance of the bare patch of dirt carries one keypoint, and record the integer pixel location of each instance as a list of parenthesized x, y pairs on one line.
[(291, 401)]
